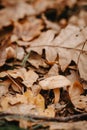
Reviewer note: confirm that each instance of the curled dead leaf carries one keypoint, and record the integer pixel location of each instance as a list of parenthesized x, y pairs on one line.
[(75, 92)]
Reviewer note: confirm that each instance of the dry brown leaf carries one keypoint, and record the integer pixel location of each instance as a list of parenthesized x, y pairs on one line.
[(51, 25), (4, 85), (4, 103), (25, 103), (50, 53), (41, 6), (69, 47), (16, 88), (15, 12), (17, 73), (3, 55), (54, 71), (3, 74), (35, 89), (82, 63), (20, 53), (10, 52), (73, 76), (77, 125), (77, 99), (28, 77), (28, 30), (22, 108), (20, 42), (79, 20), (36, 60), (17, 99), (48, 112), (80, 102), (10, 2), (43, 42), (75, 90)]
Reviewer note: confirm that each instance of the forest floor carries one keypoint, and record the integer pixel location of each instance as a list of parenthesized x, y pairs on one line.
[(43, 64)]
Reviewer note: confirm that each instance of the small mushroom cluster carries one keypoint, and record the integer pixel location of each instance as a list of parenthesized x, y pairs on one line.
[(55, 83)]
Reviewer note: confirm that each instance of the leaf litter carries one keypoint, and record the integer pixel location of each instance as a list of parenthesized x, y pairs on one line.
[(43, 63)]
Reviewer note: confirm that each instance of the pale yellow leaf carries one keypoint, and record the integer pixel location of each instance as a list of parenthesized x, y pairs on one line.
[(40, 102)]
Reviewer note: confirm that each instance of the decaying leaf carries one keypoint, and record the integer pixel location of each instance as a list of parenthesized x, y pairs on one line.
[(36, 60), (3, 54), (77, 99), (73, 77), (23, 103), (54, 71), (69, 47), (27, 30), (43, 62), (51, 25), (13, 13), (28, 77), (49, 112), (20, 53), (4, 85), (43, 42)]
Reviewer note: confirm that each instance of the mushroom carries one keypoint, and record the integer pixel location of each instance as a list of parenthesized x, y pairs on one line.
[(55, 83)]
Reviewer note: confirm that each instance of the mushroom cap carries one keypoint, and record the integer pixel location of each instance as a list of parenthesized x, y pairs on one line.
[(54, 82)]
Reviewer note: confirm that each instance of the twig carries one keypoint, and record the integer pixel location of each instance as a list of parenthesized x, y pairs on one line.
[(78, 117)]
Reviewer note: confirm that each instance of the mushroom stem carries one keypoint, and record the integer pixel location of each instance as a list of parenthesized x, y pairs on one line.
[(56, 95)]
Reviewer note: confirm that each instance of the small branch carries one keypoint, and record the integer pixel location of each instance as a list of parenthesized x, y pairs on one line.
[(78, 117)]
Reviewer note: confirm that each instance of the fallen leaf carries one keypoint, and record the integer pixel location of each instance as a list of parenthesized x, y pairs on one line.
[(3, 55), (20, 53), (40, 102), (43, 42), (54, 71), (28, 77), (17, 99), (30, 97), (22, 108), (10, 52), (77, 99), (73, 77), (51, 25), (69, 47), (48, 112), (36, 60), (4, 85), (4, 103), (27, 30), (13, 13)]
